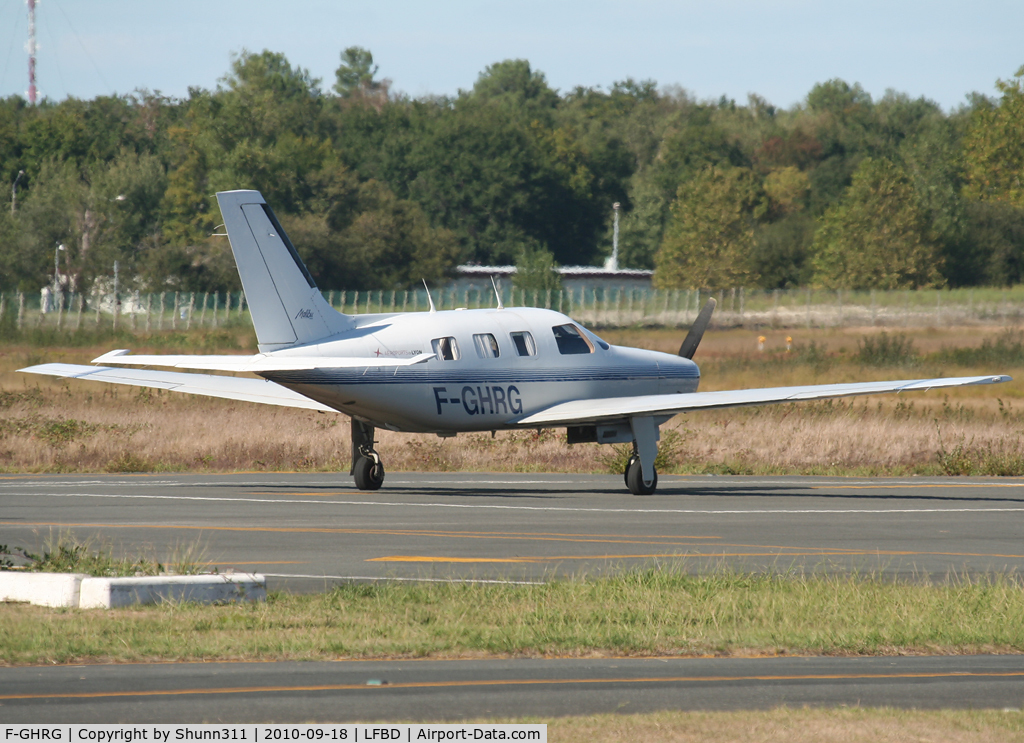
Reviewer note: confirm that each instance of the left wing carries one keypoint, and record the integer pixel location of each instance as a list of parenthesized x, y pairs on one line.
[(232, 388), (259, 363), (616, 408)]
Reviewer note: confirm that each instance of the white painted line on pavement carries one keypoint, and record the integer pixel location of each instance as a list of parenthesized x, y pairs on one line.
[(503, 507)]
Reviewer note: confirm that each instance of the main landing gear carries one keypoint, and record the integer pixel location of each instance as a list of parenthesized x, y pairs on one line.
[(634, 477), (367, 468)]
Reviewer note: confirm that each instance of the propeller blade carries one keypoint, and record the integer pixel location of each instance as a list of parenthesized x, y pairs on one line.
[(692, 339)]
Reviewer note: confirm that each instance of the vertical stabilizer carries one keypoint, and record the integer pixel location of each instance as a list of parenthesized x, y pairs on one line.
[(287, 309)]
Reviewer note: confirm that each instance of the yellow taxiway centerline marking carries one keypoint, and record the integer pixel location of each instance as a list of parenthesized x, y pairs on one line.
[(804, 553), (894, 486), (514, 682)]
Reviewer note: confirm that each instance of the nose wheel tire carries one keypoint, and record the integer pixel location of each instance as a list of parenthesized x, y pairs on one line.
[(369, 473), (635, 479)]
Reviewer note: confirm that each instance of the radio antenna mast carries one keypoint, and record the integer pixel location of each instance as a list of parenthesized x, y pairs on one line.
[(31, 52)]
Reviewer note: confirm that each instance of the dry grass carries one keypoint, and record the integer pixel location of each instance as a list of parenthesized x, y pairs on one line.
[(59, 426), (785, 725)]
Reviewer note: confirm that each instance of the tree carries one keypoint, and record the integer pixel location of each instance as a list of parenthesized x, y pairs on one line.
[(995, 238), (876, 237), (262, 98), (55, 211), (378, 242), (535, 270), (994, 147), (709, 239), (513, 85), (355, 75), (496, 181)]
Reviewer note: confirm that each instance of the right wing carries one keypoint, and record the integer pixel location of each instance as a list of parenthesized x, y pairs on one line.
[(617, 408), (232, 388)]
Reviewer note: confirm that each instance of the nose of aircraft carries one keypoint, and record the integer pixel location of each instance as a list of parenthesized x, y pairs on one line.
[(677, 374)]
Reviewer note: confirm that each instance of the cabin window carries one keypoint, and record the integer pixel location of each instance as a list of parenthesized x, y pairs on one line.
[(524, 343), (486, 346), (446, 349), (570, 340)]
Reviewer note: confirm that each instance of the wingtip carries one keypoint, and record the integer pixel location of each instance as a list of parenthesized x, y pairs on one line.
[(111, 355)]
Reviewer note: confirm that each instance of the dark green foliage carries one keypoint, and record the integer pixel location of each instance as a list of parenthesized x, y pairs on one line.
[(535, 271), (381, 190), (355, 75)]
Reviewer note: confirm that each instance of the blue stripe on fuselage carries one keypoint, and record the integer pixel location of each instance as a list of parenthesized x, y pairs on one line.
[(471, 376)]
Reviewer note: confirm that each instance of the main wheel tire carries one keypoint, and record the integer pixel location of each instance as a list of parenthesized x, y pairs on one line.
[(625, 472), (369, 474), (635, 479)]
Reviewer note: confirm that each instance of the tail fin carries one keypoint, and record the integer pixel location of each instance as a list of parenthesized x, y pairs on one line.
[(287, 309)]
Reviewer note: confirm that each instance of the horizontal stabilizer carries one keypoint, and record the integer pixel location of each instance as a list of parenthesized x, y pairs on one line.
[(231, 388), (588, 411), (258, 363)]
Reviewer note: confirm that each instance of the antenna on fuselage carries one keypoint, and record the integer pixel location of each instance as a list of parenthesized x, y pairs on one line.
[(497, 294), (430, 299)]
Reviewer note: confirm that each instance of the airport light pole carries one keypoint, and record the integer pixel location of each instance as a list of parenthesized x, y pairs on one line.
[(14, 192), (612, 264), (56, 267)]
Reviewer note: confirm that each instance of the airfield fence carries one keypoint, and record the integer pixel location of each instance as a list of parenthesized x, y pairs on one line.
[(601, 307)]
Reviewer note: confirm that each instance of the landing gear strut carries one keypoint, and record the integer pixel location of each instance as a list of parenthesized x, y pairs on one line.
[(366, 465)]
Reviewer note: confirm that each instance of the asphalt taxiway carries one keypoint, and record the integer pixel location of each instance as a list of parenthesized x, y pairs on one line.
[(410, 690), (309, 531)]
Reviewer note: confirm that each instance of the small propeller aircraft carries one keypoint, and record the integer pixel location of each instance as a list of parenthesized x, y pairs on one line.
[(443, 372)]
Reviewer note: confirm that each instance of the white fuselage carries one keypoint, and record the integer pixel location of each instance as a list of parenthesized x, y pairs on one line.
[(473, 390)]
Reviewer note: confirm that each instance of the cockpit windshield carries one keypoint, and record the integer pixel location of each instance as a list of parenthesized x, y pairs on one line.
[(570, 340)]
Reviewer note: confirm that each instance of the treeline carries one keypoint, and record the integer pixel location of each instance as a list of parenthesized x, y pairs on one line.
[(379, 190)]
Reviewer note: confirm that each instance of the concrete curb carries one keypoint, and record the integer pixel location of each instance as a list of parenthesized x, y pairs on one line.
[(42, 589), (106, 593), (75, 590)]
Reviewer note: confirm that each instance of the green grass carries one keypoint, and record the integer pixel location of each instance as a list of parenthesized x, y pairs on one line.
[(657, 611), (63, 552)]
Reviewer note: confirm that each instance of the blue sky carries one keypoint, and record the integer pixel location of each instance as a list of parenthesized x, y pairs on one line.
[(940, 49)]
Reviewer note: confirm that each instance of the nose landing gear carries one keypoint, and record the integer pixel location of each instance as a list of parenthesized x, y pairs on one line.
[(641, 477)]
